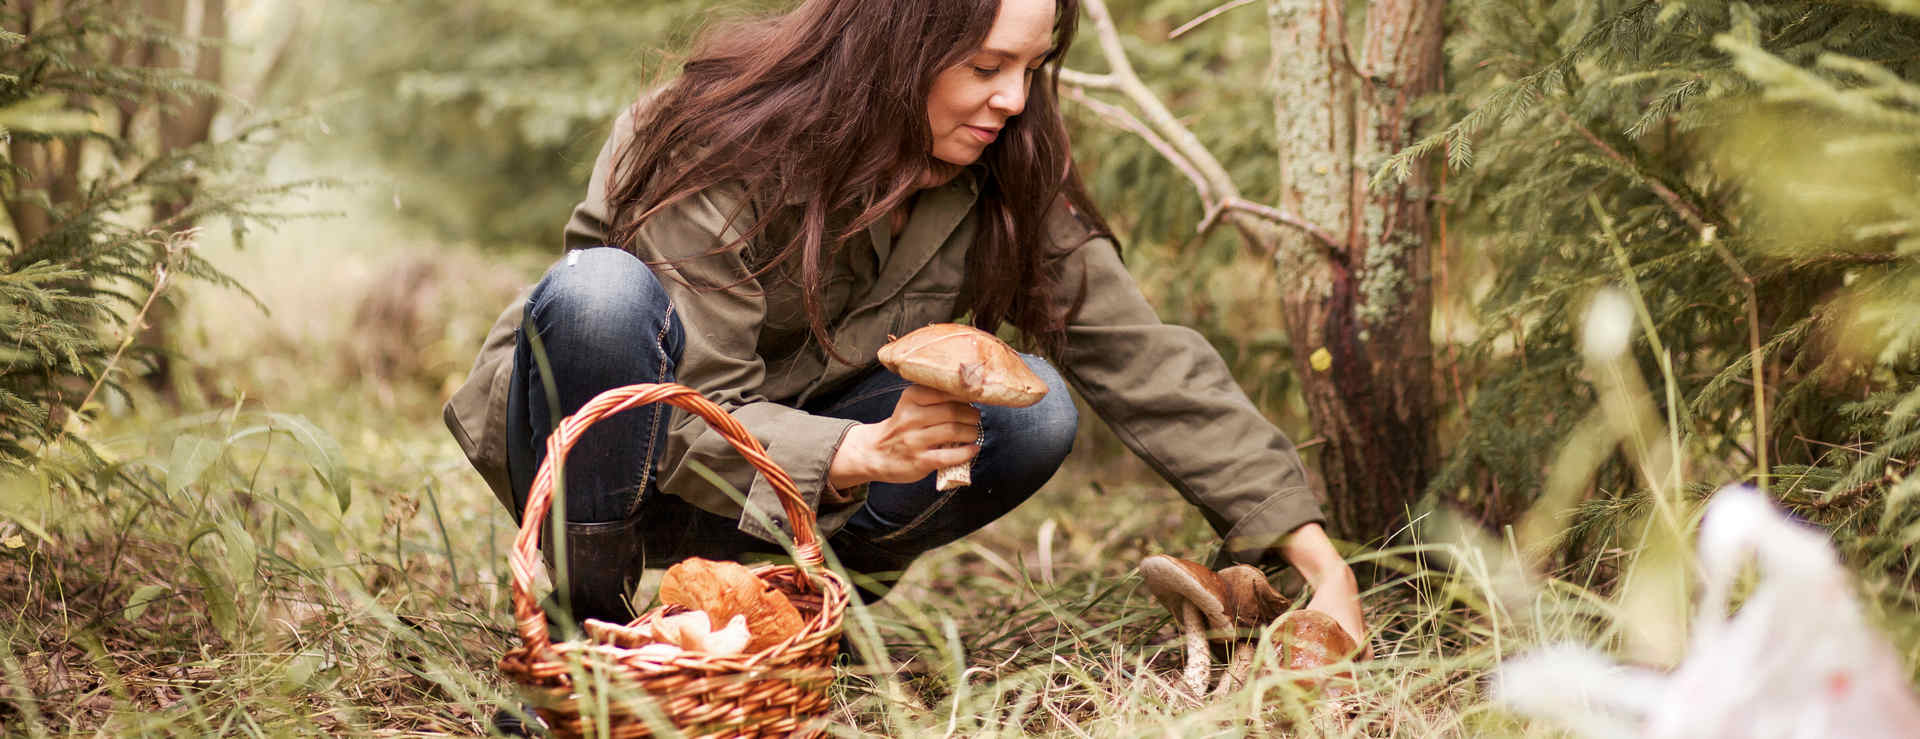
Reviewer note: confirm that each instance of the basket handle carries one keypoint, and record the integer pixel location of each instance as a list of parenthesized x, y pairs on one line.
[(530, 621)]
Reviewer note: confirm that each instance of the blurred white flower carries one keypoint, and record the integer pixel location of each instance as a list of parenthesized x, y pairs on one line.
[(1609, 326), (1798, 661)]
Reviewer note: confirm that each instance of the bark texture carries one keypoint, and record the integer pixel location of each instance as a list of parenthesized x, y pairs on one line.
[(1358, 307)]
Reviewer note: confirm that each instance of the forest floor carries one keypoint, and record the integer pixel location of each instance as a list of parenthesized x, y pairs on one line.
[(232, 594)]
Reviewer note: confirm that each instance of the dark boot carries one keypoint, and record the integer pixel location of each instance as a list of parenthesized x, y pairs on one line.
[(603, 567), (508, 723)]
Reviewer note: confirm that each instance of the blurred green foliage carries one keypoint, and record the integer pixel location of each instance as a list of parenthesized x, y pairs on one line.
[(488, 113), (492, 110), (97, 211), (1751, 167)]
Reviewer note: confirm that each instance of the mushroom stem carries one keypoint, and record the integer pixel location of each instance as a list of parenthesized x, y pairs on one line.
[(1237, 670), (959, 475), (1199, 662)]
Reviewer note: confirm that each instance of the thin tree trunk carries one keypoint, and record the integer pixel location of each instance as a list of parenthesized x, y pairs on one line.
[(186, 124), (50, 165), (191, 123), (1357, 312)]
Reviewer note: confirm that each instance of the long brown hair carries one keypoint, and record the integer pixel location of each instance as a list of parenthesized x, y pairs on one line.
[(825, 106)]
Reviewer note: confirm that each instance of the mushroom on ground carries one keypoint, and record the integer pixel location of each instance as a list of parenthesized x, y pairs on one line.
[(1227, 605), (1251, 600), (1198, 599), (1252, 603), (968, 363), (1310, 640)]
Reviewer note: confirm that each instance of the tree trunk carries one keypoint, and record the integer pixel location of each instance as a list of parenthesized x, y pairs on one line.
[(188, 123), (50, 165), (191, 122), (1357, 302)]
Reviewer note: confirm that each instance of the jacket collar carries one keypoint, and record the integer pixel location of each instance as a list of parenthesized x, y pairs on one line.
[(881, 232), (935, 215)]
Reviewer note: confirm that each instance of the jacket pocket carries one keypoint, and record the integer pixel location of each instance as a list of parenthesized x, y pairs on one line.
[(921, 308), (786, 311)]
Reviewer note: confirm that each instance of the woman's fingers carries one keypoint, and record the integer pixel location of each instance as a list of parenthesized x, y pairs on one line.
[(924, 406), (943, 435), (926, 397), (903, 461), (923, 395), (928, 430), (952, 456)]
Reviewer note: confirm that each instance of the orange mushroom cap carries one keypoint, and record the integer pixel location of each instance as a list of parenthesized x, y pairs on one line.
[(965, 362)]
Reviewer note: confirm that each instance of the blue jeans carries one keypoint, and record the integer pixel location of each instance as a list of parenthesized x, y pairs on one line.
[(603, 320)]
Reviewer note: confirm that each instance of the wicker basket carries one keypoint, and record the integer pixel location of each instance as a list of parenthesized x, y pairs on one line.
[(775, 692)]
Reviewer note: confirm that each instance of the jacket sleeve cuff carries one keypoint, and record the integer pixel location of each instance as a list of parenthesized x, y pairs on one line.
[(1256, 537), (803, 446)]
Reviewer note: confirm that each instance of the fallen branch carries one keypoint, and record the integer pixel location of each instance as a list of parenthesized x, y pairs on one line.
[(1204, 17), (1219, 196), (1127, 121)]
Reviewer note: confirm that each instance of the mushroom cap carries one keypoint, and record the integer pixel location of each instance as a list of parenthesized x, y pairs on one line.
[(1176, 582), (966, 362), (724, 589), (1251, 600), (1311, 639)]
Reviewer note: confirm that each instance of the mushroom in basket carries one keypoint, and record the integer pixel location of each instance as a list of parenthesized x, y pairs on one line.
[(727, 612)]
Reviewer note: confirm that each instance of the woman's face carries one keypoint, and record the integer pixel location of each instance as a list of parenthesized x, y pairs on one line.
[(972, 100)]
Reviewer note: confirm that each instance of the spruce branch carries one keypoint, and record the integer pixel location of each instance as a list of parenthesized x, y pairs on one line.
[(1509, 98), (175, 247), (1686, 210), (1708, 235)]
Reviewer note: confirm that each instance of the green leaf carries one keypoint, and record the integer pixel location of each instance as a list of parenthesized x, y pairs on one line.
[(217, 602), (137, 603), (24, 502), (242, 553), (320, 540), (191, 457), (323, 452), (301, 668)]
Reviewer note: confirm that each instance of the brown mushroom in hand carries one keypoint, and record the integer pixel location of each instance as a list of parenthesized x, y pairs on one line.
[(1252, 603), (967, 363), (1198, 600)]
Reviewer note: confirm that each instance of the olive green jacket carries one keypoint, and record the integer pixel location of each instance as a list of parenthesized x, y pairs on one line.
[(1163, 389)]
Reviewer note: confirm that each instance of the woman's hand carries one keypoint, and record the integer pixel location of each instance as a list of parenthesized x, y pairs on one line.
[(1335, 591), (928, 430)]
